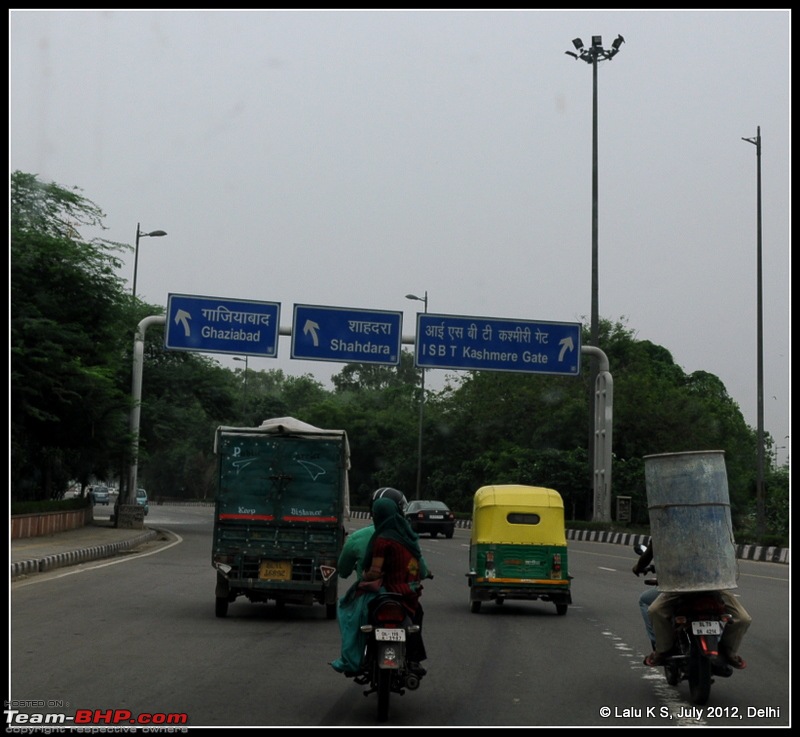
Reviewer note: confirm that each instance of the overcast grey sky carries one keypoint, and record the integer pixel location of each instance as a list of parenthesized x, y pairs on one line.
[(347, 158)]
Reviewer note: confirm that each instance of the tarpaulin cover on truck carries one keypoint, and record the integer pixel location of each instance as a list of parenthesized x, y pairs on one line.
[(250, 469)]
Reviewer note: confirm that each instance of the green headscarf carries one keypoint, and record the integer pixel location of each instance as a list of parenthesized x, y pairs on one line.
[(390, 523)]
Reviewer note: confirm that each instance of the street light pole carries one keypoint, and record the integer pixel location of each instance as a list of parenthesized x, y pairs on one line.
[(236, 358), (421, 403), (760, 522), (139, 234), (592, 55)]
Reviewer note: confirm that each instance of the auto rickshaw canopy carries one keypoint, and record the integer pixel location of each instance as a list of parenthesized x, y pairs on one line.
[(518, 514)]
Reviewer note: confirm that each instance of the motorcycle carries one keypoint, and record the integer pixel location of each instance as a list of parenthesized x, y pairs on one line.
[(699, 620), (385, 668)]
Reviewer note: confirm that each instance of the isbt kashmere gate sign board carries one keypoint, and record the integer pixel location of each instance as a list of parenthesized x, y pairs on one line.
[(352, 335), (497, 344)]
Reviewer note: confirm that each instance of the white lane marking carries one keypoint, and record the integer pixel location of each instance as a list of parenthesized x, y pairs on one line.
[(666, 694)]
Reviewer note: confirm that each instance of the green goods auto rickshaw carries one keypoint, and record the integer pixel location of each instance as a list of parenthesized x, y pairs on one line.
[(518, 548)]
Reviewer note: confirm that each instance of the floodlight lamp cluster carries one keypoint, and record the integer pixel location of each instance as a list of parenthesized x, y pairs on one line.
[(595, 52)]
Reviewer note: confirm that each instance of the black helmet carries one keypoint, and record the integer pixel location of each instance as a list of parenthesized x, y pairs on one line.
[(387, 492)]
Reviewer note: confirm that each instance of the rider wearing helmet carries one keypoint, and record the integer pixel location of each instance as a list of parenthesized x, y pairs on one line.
[(387, 492), (356, 543)]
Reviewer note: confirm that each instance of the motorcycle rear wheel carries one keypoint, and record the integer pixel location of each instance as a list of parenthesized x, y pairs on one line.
[(384, 689), (700, 680)]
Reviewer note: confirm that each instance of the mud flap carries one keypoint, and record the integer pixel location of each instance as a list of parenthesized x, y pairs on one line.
[(391, 655), (222, 590)]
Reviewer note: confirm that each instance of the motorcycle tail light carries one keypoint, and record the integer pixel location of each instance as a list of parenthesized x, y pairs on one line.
[(681, 620), (390, 614)]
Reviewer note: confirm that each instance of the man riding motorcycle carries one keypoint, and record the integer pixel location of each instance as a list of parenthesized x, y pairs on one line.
[(661, 608)]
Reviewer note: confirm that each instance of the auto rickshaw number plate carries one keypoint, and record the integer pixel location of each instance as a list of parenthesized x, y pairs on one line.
[(387, 635), (275, 570), (706, 628)]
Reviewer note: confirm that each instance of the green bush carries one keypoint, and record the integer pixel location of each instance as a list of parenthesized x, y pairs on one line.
[(49, 505)]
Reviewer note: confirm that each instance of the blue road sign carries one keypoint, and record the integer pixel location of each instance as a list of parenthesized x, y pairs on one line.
[(346, 335), (220, 325), (497, 344)]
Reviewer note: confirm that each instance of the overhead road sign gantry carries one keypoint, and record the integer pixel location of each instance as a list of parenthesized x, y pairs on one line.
[(346, 334), (497, 344), (222, 325)]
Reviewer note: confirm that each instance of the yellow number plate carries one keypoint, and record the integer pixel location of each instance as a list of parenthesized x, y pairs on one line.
[(275, 570)]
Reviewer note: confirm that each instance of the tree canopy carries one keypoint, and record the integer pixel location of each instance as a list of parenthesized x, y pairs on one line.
[(71, 334)]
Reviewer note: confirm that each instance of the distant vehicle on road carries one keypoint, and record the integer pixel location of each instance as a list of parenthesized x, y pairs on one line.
[(430, 516), (141, 500), (99, 495)]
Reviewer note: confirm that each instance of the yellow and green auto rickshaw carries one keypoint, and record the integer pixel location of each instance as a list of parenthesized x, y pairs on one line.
[(518, 548)]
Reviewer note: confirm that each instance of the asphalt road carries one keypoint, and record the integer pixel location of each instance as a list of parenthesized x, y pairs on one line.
[(137, 633)]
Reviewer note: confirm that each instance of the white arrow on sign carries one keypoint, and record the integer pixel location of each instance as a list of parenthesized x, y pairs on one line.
[(312, 327), (181, 316), (566, 345)]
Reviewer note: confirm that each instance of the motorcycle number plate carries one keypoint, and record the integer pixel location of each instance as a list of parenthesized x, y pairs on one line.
[(706, 628), (387, 635)]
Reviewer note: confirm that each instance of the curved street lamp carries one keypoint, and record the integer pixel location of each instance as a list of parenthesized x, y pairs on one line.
[(139, 234), (421, 403)]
